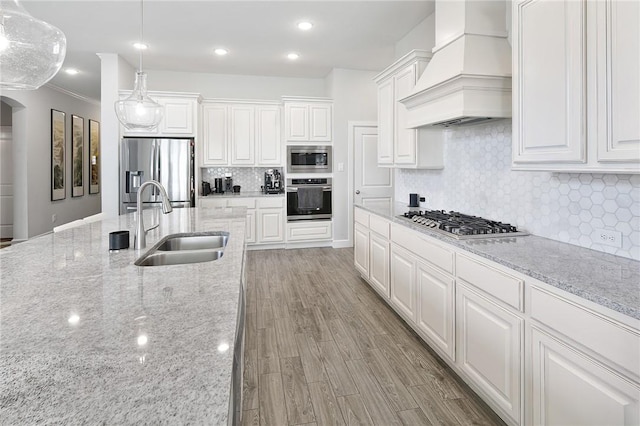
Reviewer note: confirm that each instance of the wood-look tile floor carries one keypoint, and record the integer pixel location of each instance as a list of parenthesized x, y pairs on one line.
[(321, 348)]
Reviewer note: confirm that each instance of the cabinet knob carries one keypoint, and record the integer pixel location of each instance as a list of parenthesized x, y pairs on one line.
[(357, 191)]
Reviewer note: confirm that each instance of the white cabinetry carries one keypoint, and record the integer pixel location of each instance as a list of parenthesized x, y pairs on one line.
[(309, 230), (308, 119), (489, 340), (576, 74), (179, 117), (232, 133), (397, 145), (379, 251), (585, 366), (372, 250), (403, 282), (265, 216)]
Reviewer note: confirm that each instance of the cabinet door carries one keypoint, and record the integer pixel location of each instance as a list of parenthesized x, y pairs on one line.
[(250, 236), (379, 263), (570, 388), (270, 225), (435, 310), (361, 249), (489, 340), (403, 281), (386, 102), (242, 138), (214, 137), (618, 73), (178, 116), (296, 117), (268, 135), (320, 123), (549, 109), (405, 139)]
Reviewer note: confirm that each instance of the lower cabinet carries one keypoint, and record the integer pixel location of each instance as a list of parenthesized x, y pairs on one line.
[(569, 387), (270, 225), (379, 249), (435, 308), (403, 281), (489, 343), (251, 226), (309, 230), (361, 249)]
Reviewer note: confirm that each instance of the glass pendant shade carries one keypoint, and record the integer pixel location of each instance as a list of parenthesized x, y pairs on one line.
[(139, 111), (31, 51)]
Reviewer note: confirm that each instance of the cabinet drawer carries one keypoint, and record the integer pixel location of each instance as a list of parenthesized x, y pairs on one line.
[(602, 335), (361, 217), (423, 246), (277, 202), (212, 202), (309, 231), (249, 203), (494, 282), (379, 225)]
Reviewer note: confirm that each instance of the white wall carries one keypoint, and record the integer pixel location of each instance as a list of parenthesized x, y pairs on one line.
[(354, 95), (422, 36), (32, 154), (235, 86)]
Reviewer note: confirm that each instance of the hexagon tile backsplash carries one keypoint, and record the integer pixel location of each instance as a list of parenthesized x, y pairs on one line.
[(569, 207)]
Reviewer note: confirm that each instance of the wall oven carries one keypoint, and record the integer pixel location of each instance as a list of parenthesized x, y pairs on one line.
[(308, 199), (308, 159)]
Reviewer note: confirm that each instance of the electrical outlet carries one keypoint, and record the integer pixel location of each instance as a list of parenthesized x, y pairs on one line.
[(607, 238), (53, 218)]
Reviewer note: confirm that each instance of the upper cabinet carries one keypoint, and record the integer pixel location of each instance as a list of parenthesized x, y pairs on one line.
[(399, 146), (576, 76), (308, 119), (240, 134), (180, 115)]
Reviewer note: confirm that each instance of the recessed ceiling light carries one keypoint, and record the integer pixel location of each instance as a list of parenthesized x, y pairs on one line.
[(71, 71), (305, 25), (141, 46), (221, 52), (293, 56)]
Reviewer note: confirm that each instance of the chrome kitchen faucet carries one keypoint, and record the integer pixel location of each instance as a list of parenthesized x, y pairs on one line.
[(140, 240)]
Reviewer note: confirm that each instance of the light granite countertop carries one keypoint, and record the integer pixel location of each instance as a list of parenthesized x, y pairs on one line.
[(605, 279), (87, 337), (247, 194)]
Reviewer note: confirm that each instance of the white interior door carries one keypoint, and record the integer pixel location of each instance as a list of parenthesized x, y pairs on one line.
[(6, 182), (373, 185)]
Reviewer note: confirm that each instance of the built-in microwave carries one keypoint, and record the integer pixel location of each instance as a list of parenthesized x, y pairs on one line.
[(308, 159)]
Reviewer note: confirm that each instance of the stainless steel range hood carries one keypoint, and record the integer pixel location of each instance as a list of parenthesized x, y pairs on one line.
[(469, 77)]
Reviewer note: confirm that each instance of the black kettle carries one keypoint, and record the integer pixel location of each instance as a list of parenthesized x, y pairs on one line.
[(206, 188)]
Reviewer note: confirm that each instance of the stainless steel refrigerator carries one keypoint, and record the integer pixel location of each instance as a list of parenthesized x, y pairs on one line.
[(169, 161)]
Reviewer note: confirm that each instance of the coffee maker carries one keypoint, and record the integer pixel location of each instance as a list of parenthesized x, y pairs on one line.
[(272, 182)]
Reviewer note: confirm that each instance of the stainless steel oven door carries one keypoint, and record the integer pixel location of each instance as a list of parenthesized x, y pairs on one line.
[(296, 210)]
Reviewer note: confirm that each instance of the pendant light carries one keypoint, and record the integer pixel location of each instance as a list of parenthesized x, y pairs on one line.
[(138, 111), (31, 51)]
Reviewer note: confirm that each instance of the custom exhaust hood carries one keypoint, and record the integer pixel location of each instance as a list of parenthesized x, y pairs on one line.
[(468, 80)]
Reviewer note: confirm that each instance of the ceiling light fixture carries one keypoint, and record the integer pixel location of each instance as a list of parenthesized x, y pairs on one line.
[(141, 46), (221, 51), (305, 25), (31, 51), (138, 110), (293, 56), (72, 71)]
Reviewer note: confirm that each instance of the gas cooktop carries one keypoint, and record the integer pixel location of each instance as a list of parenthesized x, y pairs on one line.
[(461, 226)]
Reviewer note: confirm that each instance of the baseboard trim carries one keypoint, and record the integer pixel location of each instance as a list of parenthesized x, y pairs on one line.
[(342, 244)]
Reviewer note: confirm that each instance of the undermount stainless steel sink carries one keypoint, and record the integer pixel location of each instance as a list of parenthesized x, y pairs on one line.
[(179, 249), (194, 242), (158, 258)]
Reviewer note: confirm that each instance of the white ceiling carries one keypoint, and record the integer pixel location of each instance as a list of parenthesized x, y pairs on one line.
[(258, 34)]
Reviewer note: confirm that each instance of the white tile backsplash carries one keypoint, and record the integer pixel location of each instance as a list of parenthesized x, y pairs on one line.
[(569, 207), (250, 179)]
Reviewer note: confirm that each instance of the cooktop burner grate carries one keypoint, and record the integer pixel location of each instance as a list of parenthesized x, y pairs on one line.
[(462, 226)]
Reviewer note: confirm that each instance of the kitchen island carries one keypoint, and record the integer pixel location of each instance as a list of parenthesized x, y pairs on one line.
[(88, 337)]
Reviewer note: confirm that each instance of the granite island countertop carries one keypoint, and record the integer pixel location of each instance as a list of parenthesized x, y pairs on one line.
[(608, 280), (88, 337)]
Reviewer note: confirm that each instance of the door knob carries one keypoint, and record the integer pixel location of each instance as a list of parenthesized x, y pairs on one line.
[(357, 191)]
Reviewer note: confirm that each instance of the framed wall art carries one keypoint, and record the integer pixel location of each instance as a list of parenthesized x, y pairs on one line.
[(58, 137), (94, 157), (77, 155)]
